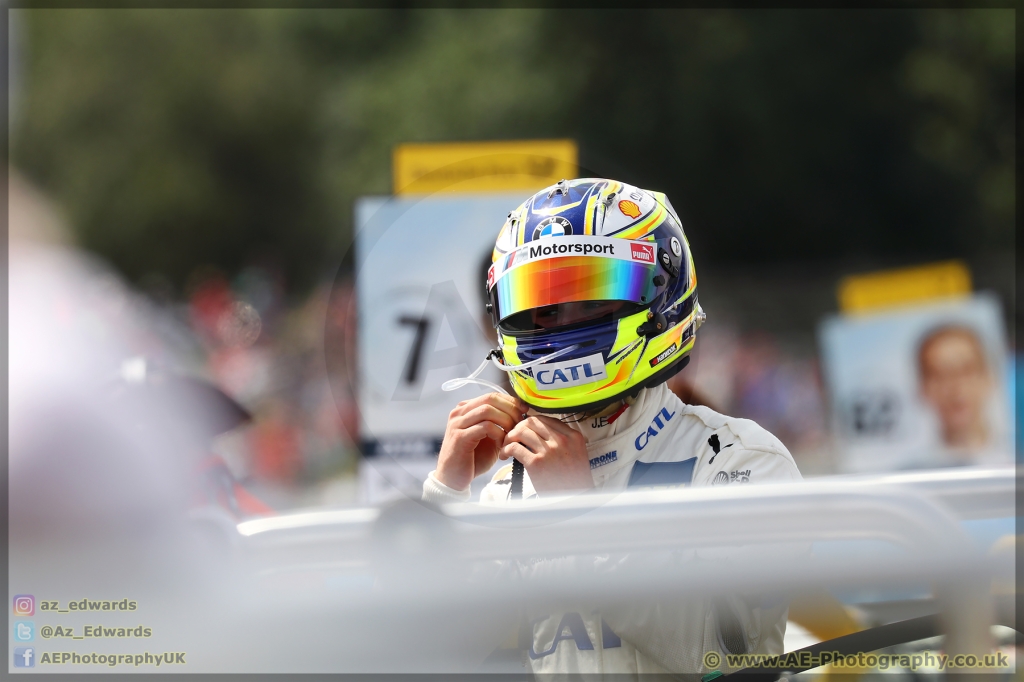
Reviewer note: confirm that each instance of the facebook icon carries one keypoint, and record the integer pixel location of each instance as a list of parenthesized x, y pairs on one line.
[(24, 657)]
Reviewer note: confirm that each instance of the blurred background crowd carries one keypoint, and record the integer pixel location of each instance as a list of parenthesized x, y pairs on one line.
[(209, 160)]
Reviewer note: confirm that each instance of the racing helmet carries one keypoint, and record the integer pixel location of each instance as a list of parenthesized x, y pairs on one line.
[(596, 276)]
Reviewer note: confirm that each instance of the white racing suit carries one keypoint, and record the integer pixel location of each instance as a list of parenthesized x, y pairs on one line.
[(657, 441)]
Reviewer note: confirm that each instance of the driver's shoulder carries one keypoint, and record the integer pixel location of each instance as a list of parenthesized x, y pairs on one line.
[(702, 422), (723, 443)]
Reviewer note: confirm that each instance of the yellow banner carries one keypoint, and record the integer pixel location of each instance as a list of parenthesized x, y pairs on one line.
[(527, 165), (905, 286)]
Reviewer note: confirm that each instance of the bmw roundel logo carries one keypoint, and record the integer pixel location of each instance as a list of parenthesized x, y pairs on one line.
[(555, 226)]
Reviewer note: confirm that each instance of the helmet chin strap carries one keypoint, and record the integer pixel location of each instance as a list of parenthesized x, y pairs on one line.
[(613, 411), (516, 487)]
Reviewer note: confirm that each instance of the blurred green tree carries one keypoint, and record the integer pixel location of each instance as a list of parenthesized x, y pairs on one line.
[(176, 138)]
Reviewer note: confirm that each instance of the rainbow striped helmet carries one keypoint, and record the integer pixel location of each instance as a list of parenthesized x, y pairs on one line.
[(593, 293)]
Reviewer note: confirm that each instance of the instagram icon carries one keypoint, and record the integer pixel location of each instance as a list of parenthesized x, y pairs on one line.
[(24, 605)]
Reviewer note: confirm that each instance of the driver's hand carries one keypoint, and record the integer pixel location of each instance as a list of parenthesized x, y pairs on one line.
[(554, 454), (473, 437)]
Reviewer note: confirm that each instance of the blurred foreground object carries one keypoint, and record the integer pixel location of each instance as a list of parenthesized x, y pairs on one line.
[(899, 544), (142, 395), (99, 486), (71, 324), (31, 218)]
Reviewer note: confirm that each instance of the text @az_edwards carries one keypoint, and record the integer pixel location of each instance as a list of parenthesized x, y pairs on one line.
[(95, 632)]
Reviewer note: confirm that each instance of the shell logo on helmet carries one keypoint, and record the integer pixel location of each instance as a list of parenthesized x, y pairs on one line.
[(632, 312), (629, 208)]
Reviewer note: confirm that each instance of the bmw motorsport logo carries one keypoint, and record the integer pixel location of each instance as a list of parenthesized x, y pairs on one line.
[(555, 226)]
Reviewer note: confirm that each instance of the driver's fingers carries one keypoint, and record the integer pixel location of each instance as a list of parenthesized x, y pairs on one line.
[(482, 430), (510, 405), (522, 433), (557, 430), (507, 404), (484, 412), (543, 426), (519, 451)]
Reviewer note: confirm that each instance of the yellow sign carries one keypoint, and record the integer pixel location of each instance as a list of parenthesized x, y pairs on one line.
[(906, 286), (529, 165)]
